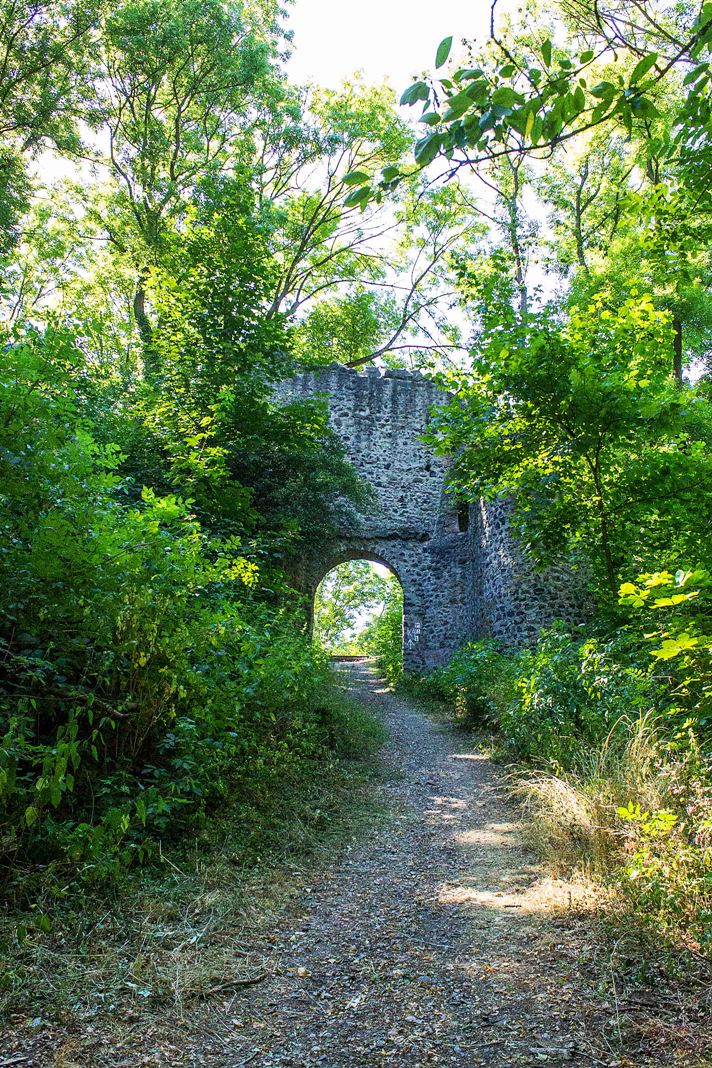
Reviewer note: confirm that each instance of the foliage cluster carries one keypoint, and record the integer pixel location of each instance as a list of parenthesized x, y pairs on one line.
[(477, 684), (615, 732), (383, 637), (577, 418), (147, 667)]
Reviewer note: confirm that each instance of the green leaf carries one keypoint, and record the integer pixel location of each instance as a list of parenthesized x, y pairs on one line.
[(672, 647), (599, 111), (696, 74), (604, 90), (44, 923), (705, 16), (443, 52), (642, 68), (415, 92), (457, 106), (31, 815), (587, 56), (427, 149), (359, 197), (546, 53), (506, 97), (355, 178)]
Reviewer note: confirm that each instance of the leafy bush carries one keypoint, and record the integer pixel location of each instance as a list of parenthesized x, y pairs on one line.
[(570, 693), (383, 638), (478, 683), (666, 870), (679, 609), (142, 678)]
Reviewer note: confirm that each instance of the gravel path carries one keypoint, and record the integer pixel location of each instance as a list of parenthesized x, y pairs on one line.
[(436, 941)]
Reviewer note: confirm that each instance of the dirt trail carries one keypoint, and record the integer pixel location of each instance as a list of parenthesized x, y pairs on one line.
[(436, 941)]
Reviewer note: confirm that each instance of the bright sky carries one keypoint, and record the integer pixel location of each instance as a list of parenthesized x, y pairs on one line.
[(386, 39)]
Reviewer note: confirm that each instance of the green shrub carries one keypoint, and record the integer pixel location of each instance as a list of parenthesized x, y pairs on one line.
[(666, 867), (569, 694), (383, 638), (674, 614), (142, 678), (478, 684)]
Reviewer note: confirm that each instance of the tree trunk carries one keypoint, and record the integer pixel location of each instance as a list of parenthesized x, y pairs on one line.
[(578, 217), (514, 228), (677, 352), (606, 544), (150, 361), (604, 524)]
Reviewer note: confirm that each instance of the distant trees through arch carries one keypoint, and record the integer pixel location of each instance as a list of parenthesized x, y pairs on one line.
[(358, 611)]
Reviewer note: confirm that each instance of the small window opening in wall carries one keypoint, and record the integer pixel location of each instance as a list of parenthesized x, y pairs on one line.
[(463, 516)]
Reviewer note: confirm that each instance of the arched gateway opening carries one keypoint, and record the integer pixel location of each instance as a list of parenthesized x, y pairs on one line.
[(358, 611)]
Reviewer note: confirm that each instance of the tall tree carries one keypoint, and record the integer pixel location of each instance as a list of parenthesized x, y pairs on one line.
[(46, 64), (182, 83), (360, 283), (575, 417)]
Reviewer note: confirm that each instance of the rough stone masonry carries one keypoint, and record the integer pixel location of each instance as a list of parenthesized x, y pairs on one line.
[(463, 574)]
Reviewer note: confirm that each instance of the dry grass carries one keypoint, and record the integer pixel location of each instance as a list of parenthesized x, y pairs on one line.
[(572, 816), (654, 859)]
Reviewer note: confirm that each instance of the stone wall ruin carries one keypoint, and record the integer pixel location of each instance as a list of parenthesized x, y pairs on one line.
[(462, 576)]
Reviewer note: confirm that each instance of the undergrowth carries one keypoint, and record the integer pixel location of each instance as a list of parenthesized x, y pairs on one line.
[(167, 935), (610, 738), (153, 659)]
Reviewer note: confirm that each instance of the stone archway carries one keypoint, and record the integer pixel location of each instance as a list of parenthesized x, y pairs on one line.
[(414, 530), (344, 556), (463, 573)]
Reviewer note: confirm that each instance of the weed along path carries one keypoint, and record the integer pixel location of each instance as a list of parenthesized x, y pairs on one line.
[(437, 940)]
